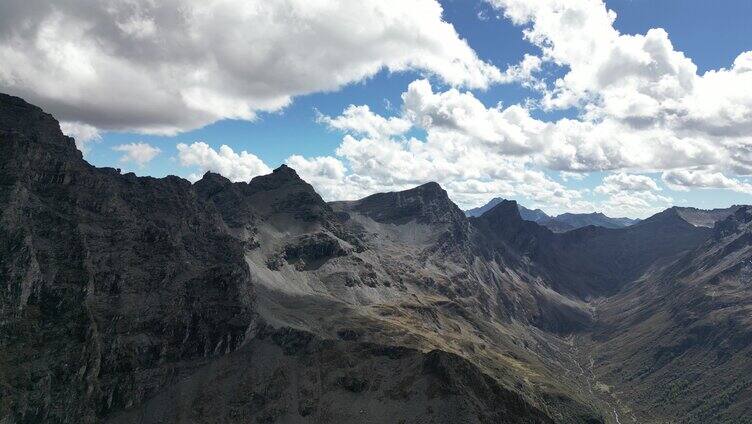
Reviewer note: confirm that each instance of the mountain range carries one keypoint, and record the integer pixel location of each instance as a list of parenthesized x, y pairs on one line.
[(152, 300), (559, 223)]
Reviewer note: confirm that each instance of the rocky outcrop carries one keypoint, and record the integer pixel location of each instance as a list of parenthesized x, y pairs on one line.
[(113, 285), (425, 204)]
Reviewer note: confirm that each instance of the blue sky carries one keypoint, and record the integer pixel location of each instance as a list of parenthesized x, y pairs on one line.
[(710, 34)]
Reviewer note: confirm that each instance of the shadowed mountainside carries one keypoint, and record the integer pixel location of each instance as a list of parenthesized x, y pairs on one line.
[(682, 334), (590, 261)]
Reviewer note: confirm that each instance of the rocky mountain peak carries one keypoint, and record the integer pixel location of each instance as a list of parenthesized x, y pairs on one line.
[(428, 193), (214, 177), (670, 215), (284, 175), (426, 204), (744, 214), (702, 217), (210, 184), (34, 148), (559, 223), (281, 192), (21, 118), (505, 211), (736, 223), (505, 220), (284, 170), (429, 187)]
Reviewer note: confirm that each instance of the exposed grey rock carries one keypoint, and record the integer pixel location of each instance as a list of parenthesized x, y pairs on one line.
[(114, 286)]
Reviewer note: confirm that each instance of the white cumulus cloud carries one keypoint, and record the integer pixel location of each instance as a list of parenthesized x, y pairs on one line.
[(360, 119), (638, 87), (241, 166), (685, 179), (621, 182), (475, 152), (632, 194), (139, 153), (174, 65)]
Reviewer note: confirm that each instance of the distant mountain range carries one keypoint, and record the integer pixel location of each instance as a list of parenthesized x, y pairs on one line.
[(705, 218), (156, 300), (560, 223)]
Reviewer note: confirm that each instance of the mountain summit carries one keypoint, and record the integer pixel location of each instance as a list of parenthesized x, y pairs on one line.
[(426, 204)]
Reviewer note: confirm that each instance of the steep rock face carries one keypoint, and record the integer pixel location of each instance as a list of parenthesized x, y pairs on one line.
[(424, 210), (535, 215), (478, 266), (506, 238), (426, 204), (503, 225), (113, 285), (279, 195)]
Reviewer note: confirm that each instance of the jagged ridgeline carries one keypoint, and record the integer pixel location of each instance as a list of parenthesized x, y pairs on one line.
[(134, 299)]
